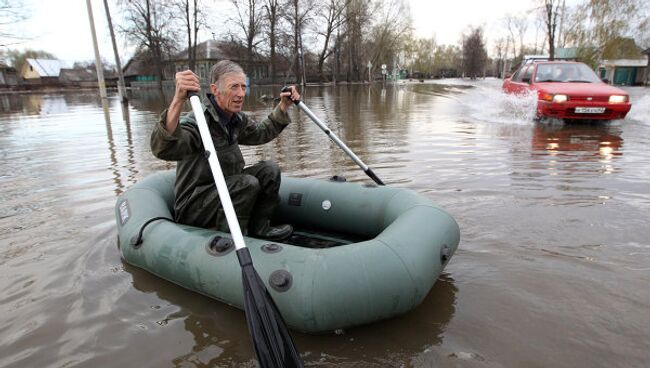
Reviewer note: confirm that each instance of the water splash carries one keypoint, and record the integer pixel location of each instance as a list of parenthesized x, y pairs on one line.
[(486, 102), (640, 109)]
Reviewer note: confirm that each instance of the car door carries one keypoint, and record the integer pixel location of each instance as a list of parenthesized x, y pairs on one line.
[(520, 82)]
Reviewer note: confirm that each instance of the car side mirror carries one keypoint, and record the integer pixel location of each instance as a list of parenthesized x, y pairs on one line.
[(508, 75), (605, 80), (526, 80)]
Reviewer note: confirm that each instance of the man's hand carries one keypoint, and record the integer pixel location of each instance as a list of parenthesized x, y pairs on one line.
[(287, 98), (186, 81)]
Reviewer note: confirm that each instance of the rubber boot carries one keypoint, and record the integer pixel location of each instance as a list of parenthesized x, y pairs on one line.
[(262, 229)]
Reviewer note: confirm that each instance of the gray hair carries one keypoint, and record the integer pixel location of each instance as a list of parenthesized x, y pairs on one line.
[(224, 67)]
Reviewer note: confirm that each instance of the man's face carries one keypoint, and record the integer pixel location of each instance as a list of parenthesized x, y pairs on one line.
[(230, 92)]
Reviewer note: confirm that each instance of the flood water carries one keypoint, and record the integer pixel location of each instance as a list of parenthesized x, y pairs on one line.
[(552, 270)]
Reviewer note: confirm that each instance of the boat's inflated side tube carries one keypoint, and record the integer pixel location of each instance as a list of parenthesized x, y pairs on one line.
[(317, 290)]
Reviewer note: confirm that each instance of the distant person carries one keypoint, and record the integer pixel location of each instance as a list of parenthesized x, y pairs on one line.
[(253, 189)]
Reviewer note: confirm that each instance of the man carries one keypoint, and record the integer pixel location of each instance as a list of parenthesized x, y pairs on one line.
[(254, 189)]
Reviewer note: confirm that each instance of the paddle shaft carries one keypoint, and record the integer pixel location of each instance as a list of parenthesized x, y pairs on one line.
[(336, 140), (217, 174)]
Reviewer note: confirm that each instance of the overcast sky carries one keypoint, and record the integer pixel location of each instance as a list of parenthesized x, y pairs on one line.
[(61, 27)]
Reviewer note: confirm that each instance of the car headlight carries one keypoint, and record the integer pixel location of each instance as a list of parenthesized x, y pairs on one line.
[(617, 99), (554, 98), (560, 98)]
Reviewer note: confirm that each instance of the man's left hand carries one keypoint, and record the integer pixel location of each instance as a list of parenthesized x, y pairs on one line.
[(287, 98)]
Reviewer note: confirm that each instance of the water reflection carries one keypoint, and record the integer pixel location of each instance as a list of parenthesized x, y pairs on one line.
[(10, 102), (219, 332), (220, 335), (594, 141)]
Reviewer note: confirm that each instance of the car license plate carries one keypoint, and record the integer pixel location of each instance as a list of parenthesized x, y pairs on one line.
[(590, 110)]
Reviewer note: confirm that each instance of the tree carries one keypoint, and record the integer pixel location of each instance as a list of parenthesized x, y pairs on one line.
[(549, 12), (192, 20), (298, 16), (272, 19), (331, 17), (390, 33), (11, 12), (599, 28), (474, 53), (501, 52), (147, 24), (421, 51), (249, 22), (17, 58)]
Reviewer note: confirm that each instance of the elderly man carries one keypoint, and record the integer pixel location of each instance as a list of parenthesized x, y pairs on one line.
[(253, 189)]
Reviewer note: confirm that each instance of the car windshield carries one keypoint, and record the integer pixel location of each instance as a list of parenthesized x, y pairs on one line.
[(565, 72)]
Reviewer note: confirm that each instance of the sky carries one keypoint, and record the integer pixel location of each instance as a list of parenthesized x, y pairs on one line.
[(62, 28)]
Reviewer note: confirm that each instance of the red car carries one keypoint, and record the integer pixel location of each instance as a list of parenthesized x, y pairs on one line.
[(569, 90)]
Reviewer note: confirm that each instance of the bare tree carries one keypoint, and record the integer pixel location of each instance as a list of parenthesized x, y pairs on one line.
[(249, 21), (420, 53), (193, 19), (272, 18), (474, 53), (147, 24), (600, 24), (390, 32), (550, 12), (500, 46), (330, 17), (11, 12), (516, 26), (298, 16)]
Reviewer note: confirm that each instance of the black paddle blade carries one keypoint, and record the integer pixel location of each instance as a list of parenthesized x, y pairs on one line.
[(273, 344)]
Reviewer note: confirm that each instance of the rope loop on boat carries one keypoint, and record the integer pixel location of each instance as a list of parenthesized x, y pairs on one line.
[(137, 241)]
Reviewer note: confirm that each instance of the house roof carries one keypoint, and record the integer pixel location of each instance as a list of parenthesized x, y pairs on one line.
[(140, 64), (566, 53), (78, 75), (218, 50), (625, 62), (47, 67)]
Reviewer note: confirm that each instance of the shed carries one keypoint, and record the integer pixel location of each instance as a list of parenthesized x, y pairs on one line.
[(42, 71), (624, 72)]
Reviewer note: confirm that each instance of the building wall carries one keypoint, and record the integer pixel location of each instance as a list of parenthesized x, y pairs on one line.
[(28, 72)]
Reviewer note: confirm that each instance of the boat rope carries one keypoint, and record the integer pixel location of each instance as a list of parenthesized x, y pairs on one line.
[(138, 240)]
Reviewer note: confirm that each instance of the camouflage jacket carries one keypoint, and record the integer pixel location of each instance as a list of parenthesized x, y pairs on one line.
[(184, 145)]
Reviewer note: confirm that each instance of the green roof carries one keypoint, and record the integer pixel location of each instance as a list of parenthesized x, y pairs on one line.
[(566, 53)]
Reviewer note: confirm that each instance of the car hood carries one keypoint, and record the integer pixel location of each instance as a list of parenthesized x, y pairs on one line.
[(591, 89)]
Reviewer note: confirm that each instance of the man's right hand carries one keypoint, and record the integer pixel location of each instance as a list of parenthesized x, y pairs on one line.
[(186, 81)]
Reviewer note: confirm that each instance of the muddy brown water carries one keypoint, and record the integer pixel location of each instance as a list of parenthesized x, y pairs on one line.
[(552, 271)]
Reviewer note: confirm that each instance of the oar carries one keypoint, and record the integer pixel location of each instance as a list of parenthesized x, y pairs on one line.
[(273, 344), (336, 139)]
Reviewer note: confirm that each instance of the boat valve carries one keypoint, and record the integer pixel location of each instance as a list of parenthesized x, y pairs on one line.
[(219, 246), (280, 280), (444, 254)]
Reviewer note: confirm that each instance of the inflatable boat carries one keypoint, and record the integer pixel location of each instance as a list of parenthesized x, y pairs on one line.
[(359, 253)]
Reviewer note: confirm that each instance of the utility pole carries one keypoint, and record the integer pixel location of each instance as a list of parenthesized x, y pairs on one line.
[(302, 60), (98, 61), (121, 86)]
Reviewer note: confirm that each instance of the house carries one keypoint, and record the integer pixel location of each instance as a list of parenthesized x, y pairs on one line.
[(42, 71), (624, 72), (8, 76), (79, 77), (623, 63), (140, 68), (211, 51)]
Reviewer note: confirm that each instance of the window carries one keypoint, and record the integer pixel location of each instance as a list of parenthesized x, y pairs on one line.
[(520, 73), (528, 73)]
